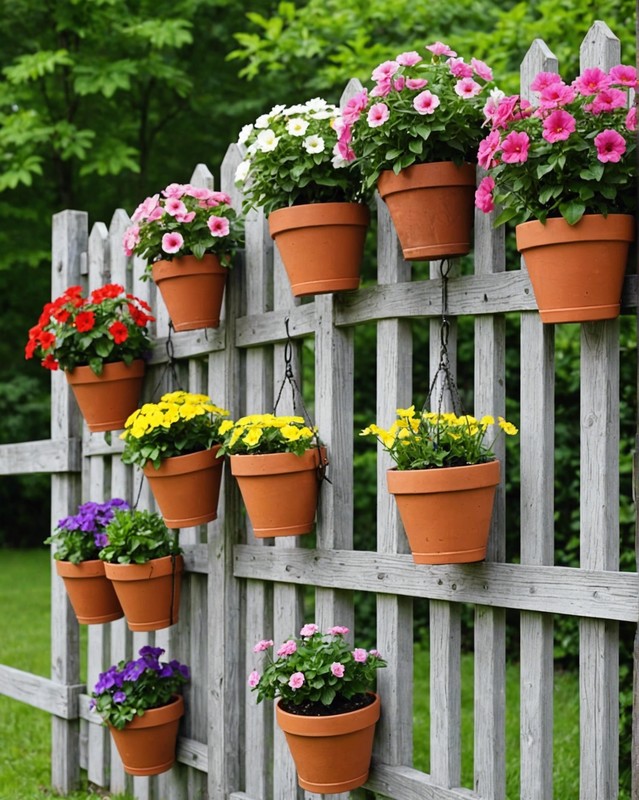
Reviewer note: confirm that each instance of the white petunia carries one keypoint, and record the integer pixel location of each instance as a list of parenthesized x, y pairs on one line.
[(267, 140), (262, 121), (296, 109), (327, 114), (316, 104), (297, 126), (246, 131), (276, 110), (314, 144), (242, 171), (338, 162)]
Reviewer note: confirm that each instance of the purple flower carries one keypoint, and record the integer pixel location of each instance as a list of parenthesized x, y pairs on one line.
[(119, 697)]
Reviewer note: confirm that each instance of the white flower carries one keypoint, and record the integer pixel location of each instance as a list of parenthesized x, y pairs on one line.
[(262, 121), (497, 94), (297, 109), (297, 126), (244, 134), (323, 114), (276, 110), (316, 104), (314, 144), (242, 171), (267, 140), (338, 162)]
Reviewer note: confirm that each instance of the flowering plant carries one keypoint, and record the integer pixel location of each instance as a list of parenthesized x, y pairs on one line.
[(571, 155), (130, 688), (135, 537), (266, 433), (179, 424), (109, 325), (79, 537), (184, 220), (419, 111), (428, 439), (291, 158), (317, 673)]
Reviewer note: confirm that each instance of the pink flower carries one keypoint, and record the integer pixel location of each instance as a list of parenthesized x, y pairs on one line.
[(145, 208), (337, 630), (219, 226), (459, 68), (557, 94), (610, 146), (262, 645), (360, 655), (200, 193), (156, 214), (337, 669), (382, 88), (624, 75), (484, 195), (426, 102), (408, 59), (591, 81), (287, 649), (607, 100), (186, 218), (375, 653), (441, 49), (631, 119), (131, 238), (488, 147), (399, 83), (505, 111), (558, 126), (173, 206), (416, 83), (467, 87), (377, 115), (253, 679), (514, 148), (544, 79), (309, 629), (219, 197), (296, 681), (173, 190), (385, 70), (172, 242), (353, 109), (481, 69)]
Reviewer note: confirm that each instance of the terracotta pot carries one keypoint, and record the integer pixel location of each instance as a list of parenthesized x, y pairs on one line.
[(432, 208), (446, 511), (331, 754), (149, 593), (279, 490), (90, 591), (577, 271), (107, 400), (192, 290), (187, 488), (321, 245), (147, 744)]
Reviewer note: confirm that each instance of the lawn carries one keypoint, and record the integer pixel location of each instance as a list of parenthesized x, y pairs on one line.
[(25, 731)]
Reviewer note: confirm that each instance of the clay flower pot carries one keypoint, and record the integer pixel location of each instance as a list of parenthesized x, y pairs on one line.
[(192, 290), (279, 490), (148, 593), (321, 245), (577, 271), (446, 511), (432, 208), (147, 744), (187, 488), (332, 754), (91, 594), (107, 400)]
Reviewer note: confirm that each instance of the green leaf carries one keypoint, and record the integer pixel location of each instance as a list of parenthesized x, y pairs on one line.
[(572, 212)]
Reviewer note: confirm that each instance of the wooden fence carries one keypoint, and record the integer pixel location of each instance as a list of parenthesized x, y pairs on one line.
[(238, 590)]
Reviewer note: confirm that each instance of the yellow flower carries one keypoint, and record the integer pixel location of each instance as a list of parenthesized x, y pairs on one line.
[(406, 412), (252, 437), (226, 426), (487, 420), (237, 433), (507, 427), (291, 433)]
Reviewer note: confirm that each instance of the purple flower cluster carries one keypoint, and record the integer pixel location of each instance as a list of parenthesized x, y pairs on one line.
[(148, 664), (93, 518)]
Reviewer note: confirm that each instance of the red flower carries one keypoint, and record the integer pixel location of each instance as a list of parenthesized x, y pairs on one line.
[(142, 303), (119, 331), (111, 290), (29, 350), (85, 321), (49, 362), (139, 317), (61, 314), (46, 339)]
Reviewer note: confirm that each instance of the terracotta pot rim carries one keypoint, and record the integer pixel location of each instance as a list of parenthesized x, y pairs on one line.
[(434, 173), (275, 463), (438, 479), (210, 262), (90, 568), (155, 568), (171, 711), (332, 725), (175, 465), (533, 233), (84, 374), (316, 215)]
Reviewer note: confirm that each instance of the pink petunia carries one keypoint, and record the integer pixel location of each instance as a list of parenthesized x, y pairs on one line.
[(487, 150), (610, 146), (173, 190), (353, 109), (156, 214), (607, 100), (377, 115), (544, 79), (219, 197), (409, 58), (558, 126), (426, 102), (199, 192), (481, 69), (172, 242), (557, 94), (185, 218), (296, 681), (484, 195), (441, 49), (145, 208), (262, 645), (459, 68), (360, 655), (466, 88), (253, 679), (416, 83), (385, 70), (631, 119), (287, 649), (624, 75), (337, 669), (173, 206), (399, 83), (514, 148), (382, 88), (337, 630), (505, 111), (309, 629), (591, 81), (219, 226), (131, 238)]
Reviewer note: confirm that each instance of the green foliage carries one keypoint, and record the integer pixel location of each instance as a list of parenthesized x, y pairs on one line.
[(136, 537), (260, 434)]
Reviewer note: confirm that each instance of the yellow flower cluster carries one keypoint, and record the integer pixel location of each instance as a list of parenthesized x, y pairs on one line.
[(172, 407), (250, 430)]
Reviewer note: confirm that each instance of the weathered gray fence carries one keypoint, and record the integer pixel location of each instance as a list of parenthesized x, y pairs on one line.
[(238, 590)]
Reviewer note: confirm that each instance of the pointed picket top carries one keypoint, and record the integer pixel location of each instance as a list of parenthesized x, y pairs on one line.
[(600, 48), (98, 256), (539, 58), (352, 88), (230, 163), (202, 177)]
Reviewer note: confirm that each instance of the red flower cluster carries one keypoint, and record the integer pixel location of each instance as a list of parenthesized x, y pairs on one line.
[(109, 325)]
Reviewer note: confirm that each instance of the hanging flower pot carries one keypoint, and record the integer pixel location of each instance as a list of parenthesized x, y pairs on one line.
[(90, 592), (446, 512), (321, 245), (279, 490), (192, 290), (332, 754), (149, 593), (106, 400), (187, 488), (577, 271), (431, 206)]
